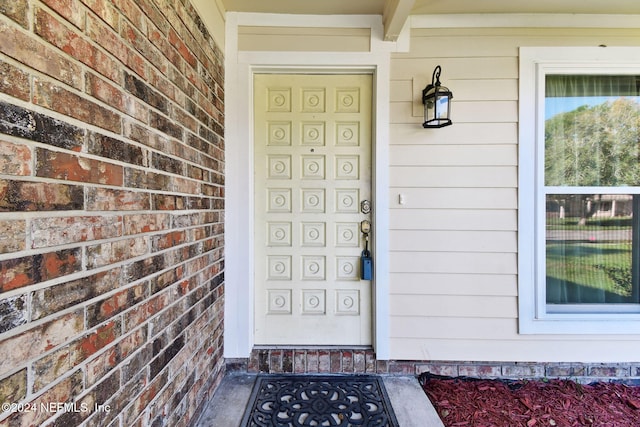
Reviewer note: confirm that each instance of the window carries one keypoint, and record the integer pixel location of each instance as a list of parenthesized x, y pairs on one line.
[(579, 195)]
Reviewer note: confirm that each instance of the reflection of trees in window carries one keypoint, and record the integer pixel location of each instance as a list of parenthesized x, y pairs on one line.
[(594, 146), (593, 240)]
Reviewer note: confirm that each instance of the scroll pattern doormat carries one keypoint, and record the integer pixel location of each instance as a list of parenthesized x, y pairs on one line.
[(319, 401)]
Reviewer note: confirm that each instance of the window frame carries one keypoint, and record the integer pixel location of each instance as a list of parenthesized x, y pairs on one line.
[(534, 317)]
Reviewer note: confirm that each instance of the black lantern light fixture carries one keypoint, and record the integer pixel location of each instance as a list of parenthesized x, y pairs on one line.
[(437, 103)]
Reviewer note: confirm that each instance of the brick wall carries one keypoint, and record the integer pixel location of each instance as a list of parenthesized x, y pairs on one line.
[(358, 361), (111, 212)]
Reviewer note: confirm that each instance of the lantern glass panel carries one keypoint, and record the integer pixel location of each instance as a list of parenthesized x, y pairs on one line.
[(442, 107)]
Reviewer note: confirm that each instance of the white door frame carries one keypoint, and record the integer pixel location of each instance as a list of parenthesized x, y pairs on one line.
[(239, 205)]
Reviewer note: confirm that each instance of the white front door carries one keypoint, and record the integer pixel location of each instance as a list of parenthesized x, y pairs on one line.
[(312, 171)]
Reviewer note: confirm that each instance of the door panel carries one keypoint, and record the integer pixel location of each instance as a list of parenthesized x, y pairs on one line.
[(312, 170)]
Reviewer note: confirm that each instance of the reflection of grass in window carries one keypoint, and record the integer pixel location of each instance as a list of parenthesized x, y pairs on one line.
[(618, 223), (603, 266)]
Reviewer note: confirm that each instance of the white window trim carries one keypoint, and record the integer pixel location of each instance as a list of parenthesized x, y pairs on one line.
[(534, 318)]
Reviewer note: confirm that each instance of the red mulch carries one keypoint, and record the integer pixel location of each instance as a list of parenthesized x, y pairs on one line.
[(561, 403)]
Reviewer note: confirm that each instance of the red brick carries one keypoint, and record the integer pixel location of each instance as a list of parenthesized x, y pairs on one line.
[(162, 44), (347, 362), (14, 312), (146, 223), (155, 18), (99, 339), (114, 44), (146, 267), (324, 361), (141, 402), (27, 124), (107, 308), (101, 365), (300, 362), (63, 392), (14, 387), (104, 91), (14, 82), (141, 44), (20, 349), (189, 364), (447, 370), (63, 230), (112, 252), (145, 311), (45, 302), (613, 371), (38, 56), (12, 236), (108, 199), (39, 196), (16, 273), (402, 368), (57, 264), (15, 159), (168, 240), (57, 165), (19, 272), (106, 37), (52, 30), (105, 10), (16, 10), (131, 11), (70, 10), (480, 371), (164, 124), (68, 103), (182, 49), (166, 202), (359, 365), (136, 178)]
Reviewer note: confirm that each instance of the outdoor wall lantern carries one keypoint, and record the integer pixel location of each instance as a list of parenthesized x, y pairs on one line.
[(437, 103)]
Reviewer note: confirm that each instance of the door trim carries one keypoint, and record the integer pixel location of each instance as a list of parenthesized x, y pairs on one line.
[(239, 228)]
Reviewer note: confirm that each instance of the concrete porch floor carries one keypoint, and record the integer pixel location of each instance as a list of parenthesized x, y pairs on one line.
[(409, 402)]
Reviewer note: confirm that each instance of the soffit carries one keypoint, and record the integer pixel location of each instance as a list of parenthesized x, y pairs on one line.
[(396, 12), (376, 7)]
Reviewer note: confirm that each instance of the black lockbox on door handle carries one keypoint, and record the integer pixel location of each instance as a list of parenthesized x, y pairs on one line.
[(366, 262)]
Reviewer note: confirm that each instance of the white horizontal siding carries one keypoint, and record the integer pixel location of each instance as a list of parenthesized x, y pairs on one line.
[(455, 68), (453, 200), (453, 262), (454, 176), (455, 306), (461, 133), (458, 155), (462, 284), (478, 327), (452, 241), (546, 349), (450, 198), (447, 218)]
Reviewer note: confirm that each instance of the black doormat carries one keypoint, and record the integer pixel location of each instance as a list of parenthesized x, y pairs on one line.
[(319, 401)]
